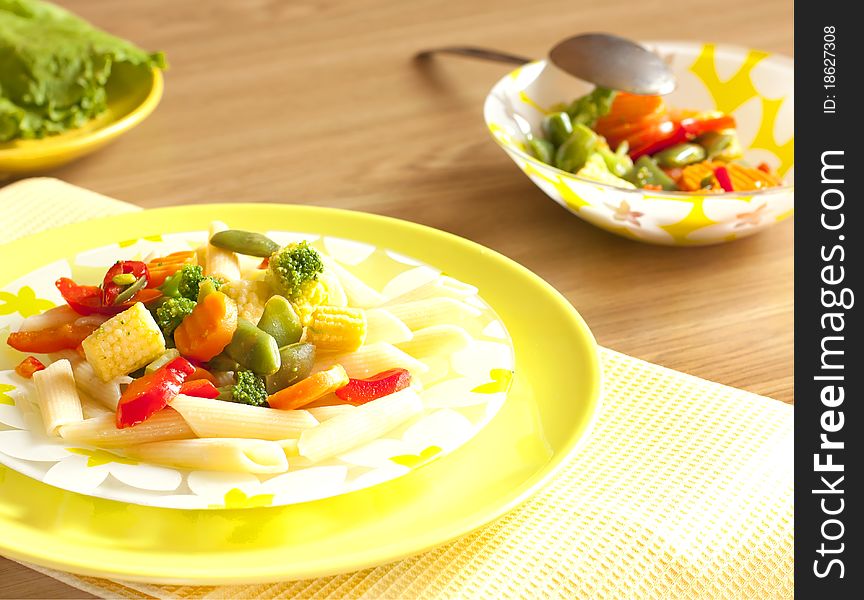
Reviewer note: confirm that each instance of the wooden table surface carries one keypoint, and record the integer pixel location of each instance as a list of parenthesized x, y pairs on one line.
[(320, 103)]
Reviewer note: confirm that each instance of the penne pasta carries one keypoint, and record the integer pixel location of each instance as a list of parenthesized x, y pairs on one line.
[(364, 424), (372, 359), (220, 263), (106, 393), (216, 419), (408, 280), (433, 311), (335, 292), (435, 340), (443, 287), (325, 413), (237, 455), (92, 409), (439, 369), (289, 447), (102, 431), (328, 400), (382, 326), (356, 291), (70, 355), (57, 396), (54, 317)]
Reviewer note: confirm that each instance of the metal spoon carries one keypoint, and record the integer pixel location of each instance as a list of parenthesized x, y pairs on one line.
[(600, 58)]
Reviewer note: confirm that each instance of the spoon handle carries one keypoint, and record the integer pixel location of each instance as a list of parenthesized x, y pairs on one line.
[(474, 52)]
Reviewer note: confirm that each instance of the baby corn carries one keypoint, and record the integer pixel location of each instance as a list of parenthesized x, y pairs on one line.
[(337, 328), (123, 343)]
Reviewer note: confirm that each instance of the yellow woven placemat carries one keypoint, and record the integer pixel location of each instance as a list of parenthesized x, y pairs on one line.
[(684, 490)]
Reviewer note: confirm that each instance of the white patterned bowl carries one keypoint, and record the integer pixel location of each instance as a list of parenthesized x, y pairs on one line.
[(754, 86)]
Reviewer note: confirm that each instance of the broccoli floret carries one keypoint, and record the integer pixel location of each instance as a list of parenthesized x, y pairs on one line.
[(171, 313), (186, 282), (190, 281), (248, 388), (293, 266)]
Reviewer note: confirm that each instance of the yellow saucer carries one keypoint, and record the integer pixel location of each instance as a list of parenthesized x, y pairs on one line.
[(550, 408), (133, 93)]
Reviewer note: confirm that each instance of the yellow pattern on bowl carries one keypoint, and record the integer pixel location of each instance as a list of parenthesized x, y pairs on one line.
[(133, 93), (754, 86)]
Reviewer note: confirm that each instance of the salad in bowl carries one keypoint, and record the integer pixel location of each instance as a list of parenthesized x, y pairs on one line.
[(711, 162), (633, 141)]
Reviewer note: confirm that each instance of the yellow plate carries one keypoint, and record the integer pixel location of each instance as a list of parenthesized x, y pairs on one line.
[(133, 93), (550, 408)]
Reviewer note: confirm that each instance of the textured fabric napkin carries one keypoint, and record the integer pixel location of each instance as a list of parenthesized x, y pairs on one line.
[(684, 490)]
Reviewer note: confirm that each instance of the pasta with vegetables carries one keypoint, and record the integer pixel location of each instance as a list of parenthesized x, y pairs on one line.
[(231, 364)]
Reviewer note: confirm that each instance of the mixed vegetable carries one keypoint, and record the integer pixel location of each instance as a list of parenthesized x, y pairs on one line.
[(250, 356), (177, 328), (635, 141)]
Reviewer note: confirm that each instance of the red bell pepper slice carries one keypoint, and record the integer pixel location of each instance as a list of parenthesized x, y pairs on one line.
[(87, 299), (723, 178), (83, 299), (200, 388), (671, 133), (676, 135), (360, 391), (62, 337), (28, 366), (111, 290), (151, 393)]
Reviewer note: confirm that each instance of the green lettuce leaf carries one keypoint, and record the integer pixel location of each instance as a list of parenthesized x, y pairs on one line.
[(54, 68)]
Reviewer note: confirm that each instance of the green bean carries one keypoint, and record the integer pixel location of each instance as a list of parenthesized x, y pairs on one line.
[(715, 142), (280, 321), (573, 153), (618, 164), (646, 172), (542, 149), (557, 127), (254, 349), (130, 291), (680, 155), (163, 360), (222, 362), (297, 360), (249, 243)]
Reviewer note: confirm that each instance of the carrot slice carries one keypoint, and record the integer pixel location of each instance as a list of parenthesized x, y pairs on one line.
[(310, 389), (164, 266), (629, 108), (206, 331), (202, 373)]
